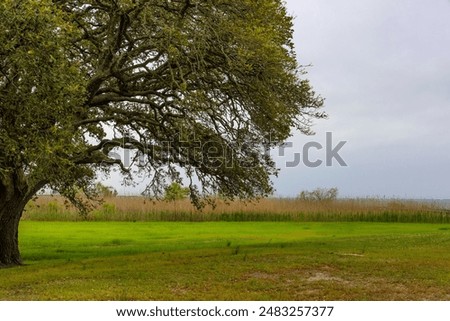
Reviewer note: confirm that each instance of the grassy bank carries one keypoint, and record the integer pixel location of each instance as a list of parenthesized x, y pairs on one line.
[(132, 209), (230, 261)]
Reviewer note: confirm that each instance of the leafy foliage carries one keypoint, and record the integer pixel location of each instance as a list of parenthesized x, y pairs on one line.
[(193, 88), (41, 89)]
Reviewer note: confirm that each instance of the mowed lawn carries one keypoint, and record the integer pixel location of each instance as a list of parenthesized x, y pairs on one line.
[(230, 261)]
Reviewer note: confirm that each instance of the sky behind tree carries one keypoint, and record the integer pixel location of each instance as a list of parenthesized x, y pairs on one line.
[(384, 69)]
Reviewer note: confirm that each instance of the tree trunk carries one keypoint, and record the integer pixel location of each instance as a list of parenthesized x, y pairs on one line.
[(14, 195), (10, 215)]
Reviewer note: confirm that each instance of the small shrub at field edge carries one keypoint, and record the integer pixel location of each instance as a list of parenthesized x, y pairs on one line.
[(175, 192), (319, 194)]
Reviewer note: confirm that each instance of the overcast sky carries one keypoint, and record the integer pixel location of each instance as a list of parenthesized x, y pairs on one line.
[(384, 68)]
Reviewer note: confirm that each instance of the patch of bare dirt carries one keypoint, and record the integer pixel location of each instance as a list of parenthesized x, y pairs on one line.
[(323, 276)]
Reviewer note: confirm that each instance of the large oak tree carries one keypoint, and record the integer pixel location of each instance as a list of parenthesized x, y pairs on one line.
[(201, 87)]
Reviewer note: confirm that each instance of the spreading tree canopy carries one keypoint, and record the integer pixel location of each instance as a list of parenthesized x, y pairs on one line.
[(199, 87)]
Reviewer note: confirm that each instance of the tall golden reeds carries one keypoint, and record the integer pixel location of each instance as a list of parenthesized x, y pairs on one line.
[(52, 208)]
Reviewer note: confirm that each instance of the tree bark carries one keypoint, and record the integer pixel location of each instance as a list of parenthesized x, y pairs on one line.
[(10, 215), (14, 195)]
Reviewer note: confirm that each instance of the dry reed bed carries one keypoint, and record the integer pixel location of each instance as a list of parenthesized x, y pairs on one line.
[(52, 208)]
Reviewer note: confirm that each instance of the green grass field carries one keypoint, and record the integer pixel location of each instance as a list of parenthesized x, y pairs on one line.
[(230, 261)]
